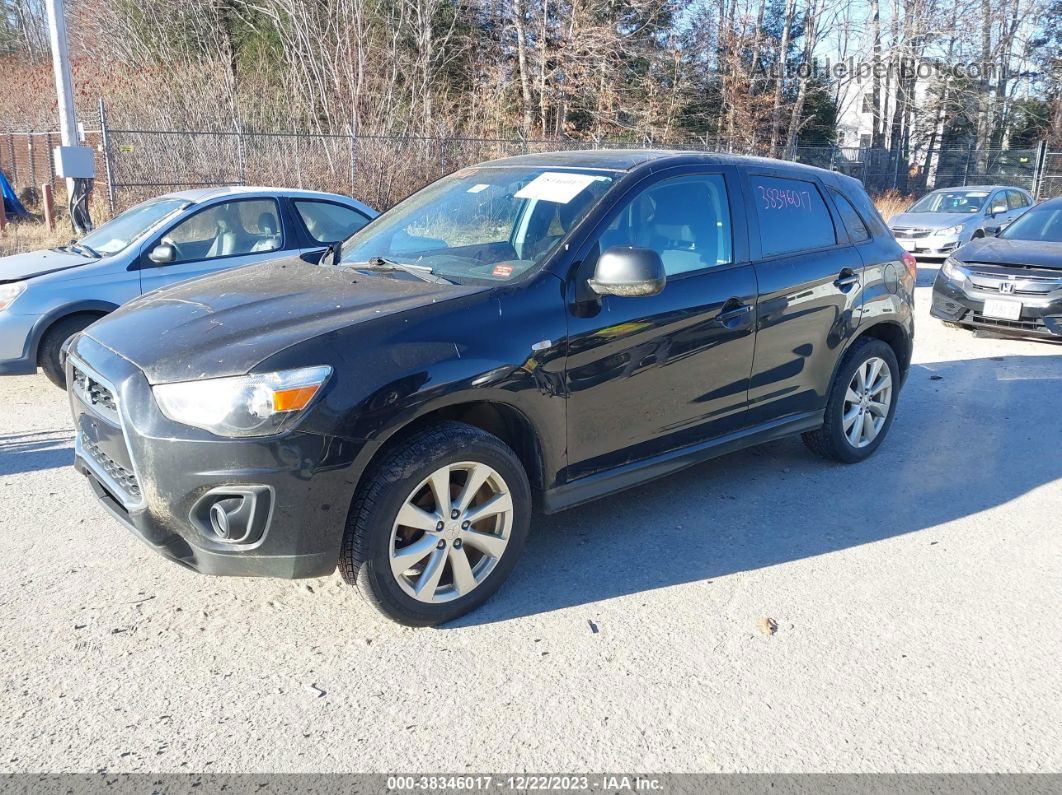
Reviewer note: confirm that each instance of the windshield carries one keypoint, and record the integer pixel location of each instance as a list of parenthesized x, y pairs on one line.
[(491, 224), (1043, 225), (952, 201), (123, 229)]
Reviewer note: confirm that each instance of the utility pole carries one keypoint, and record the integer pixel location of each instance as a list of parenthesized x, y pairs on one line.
[(71, 160)]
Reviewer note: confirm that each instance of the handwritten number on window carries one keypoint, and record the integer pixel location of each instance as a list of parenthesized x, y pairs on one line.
[(779, 199)]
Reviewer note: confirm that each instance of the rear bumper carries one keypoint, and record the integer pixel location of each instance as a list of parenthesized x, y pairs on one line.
[(160, 480), (1040, 317)]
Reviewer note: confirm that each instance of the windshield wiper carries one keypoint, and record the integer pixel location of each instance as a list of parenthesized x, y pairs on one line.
[(81, 247), (420, 271)]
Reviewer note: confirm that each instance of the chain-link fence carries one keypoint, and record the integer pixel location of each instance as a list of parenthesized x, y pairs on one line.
[(380, 170)]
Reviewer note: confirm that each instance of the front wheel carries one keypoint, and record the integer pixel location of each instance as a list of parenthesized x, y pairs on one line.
[(861, 404), (438, 525), (49, 355)]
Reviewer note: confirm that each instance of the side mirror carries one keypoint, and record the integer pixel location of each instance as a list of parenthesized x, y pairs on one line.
[(162, 254), (998, 209), (628, 272)]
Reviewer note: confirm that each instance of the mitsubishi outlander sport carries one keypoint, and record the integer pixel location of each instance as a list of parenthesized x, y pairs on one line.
[(537, 331)]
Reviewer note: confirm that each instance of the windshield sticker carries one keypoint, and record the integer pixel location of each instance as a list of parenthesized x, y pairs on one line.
[(478, 188), (555, 186), (504, 271)]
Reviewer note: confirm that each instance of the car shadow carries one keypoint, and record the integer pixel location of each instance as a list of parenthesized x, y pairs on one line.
[(37, 450), (969, 435)]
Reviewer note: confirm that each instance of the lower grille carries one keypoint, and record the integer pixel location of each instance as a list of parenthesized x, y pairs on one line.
[(121, 476), (1017, 325)]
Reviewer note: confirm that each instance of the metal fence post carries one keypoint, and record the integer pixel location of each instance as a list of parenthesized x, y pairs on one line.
[(108, 168), (32, 165), (241, 158), (353, 162), (51, 161), (1038, 169), (11, 154)]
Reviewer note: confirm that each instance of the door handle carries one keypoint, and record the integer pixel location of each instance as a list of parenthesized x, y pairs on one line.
[(846, 279), (734, 314)]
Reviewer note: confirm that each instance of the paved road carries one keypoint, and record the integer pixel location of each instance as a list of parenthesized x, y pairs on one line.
[(916, 598)]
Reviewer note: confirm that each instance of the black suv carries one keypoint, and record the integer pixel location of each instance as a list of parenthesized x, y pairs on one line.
[(545, 330)]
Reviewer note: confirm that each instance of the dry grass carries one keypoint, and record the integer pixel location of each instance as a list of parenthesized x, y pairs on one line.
[(31, 234), (892, 202)]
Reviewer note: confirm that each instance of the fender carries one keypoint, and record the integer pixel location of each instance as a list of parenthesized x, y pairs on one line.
[(47, 320), (896, 322)]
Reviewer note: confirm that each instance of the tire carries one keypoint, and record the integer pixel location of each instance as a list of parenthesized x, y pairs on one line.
[(832, 440), (374, 535), (51, 346)]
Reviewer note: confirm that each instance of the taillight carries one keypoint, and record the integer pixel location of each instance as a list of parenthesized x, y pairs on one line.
[(911, 263)]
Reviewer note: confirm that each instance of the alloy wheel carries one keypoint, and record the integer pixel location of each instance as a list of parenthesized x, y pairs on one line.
[(867, 402), (451, 532)]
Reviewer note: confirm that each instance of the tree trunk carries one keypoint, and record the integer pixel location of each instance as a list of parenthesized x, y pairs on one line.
[(783, 54), (521, 58)]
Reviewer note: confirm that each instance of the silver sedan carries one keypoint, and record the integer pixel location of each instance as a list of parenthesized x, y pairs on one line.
[(941, 221), (48, 296)]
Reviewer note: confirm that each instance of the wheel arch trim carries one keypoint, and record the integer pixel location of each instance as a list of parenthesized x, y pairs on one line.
[(46, 321)]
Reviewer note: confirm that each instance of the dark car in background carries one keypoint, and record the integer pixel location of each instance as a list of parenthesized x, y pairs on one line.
[(1011, 283), (540, 330)]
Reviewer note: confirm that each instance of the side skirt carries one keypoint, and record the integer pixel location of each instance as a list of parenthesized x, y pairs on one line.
[(601, 484)]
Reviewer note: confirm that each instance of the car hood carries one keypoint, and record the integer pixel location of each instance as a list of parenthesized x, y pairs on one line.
[(226, 323), (1000, 251), (929, 220), (37, 263)]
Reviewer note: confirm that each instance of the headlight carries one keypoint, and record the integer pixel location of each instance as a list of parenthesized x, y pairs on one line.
[(951, 230), (9, 292), (248, 405), (952, 269)]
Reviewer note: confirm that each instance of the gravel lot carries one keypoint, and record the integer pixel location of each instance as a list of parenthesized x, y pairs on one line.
[(916, 598)]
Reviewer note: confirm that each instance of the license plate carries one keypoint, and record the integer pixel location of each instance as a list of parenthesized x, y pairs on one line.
[(1005, 310), (907, 245)]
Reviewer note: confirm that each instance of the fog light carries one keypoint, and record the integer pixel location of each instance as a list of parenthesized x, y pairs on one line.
[(234, 515), (226, 520)]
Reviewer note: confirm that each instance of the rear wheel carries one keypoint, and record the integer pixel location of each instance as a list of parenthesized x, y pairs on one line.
[(49, 354), (438, 525), (861, 405)]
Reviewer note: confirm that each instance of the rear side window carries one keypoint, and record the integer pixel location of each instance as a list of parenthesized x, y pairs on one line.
[(857, 230), (327, 222), (792, 214), (1016, 200)]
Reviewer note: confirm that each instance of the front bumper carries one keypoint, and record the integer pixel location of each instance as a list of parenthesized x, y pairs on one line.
[(930, 246), (15, 334), (160, 479), (1041, 315)]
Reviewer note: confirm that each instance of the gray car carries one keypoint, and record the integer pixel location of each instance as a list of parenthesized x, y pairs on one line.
[(941, 221), (48, 296)]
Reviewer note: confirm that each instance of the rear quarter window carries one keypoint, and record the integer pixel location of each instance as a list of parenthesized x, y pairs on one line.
[(792, 215), (853, 223)]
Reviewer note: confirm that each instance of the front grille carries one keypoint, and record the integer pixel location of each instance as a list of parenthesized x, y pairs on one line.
[(911, 233), (121, 476), (1026, 281), (94, 394)]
